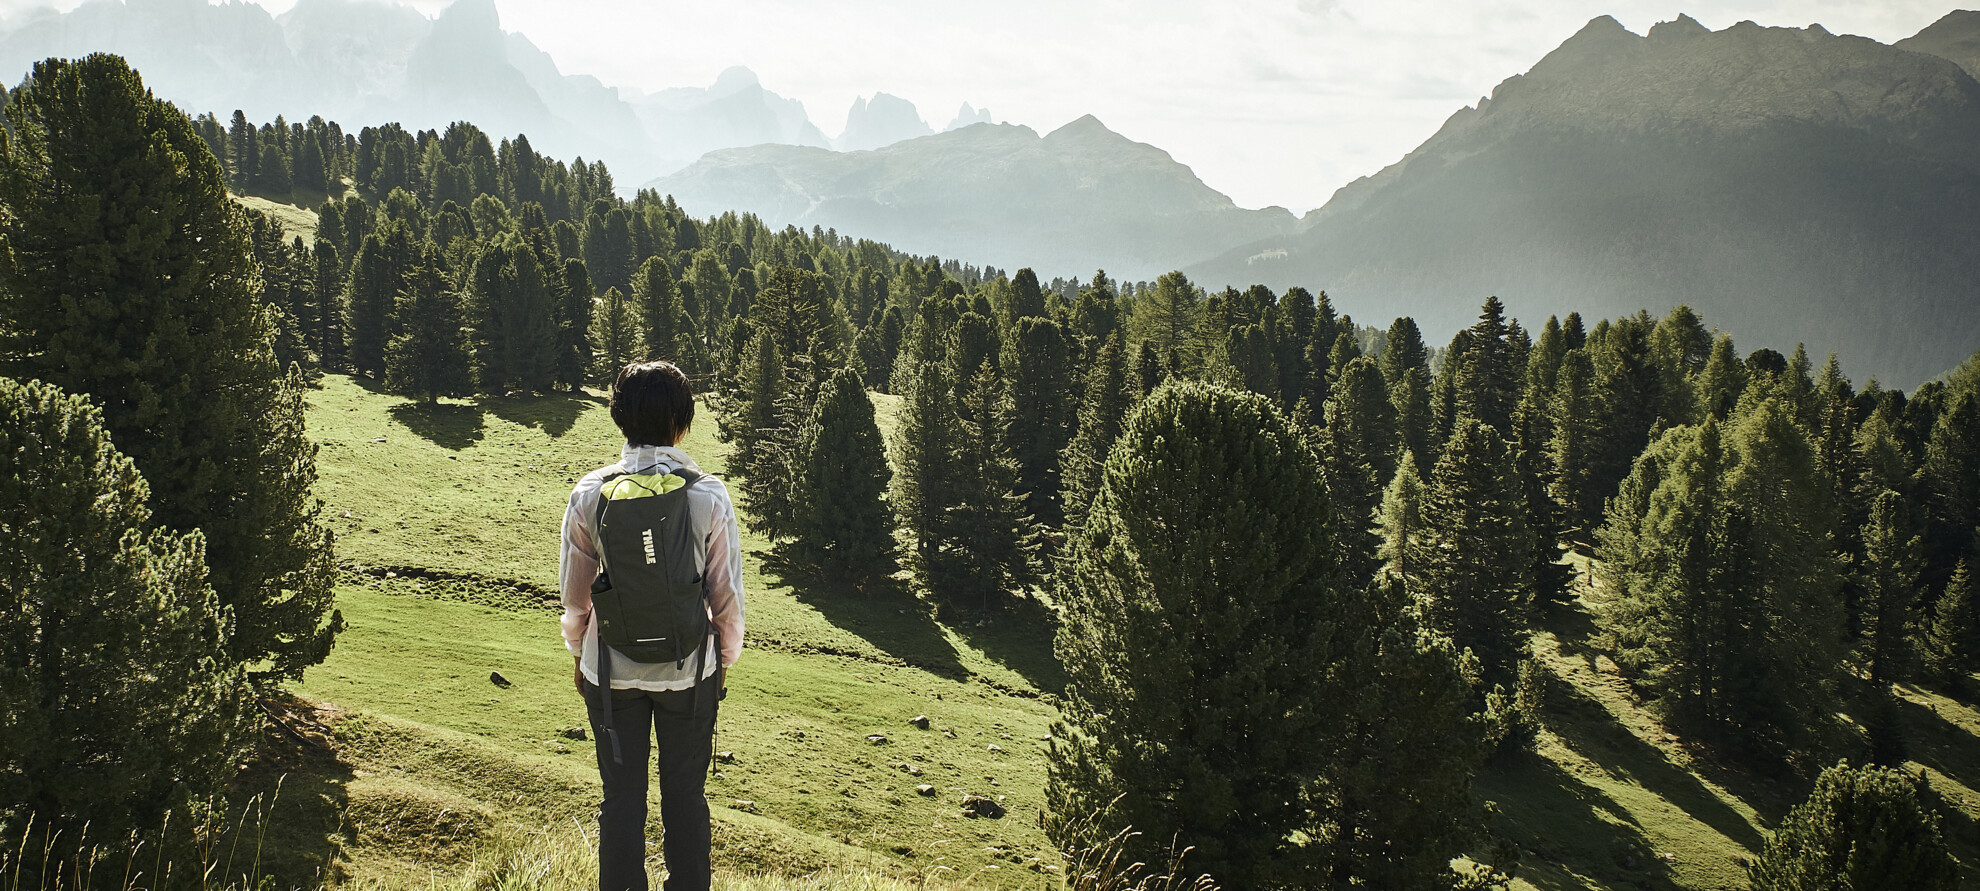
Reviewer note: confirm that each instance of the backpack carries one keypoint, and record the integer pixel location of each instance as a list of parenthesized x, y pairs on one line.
[(650, 601), (649, 596)]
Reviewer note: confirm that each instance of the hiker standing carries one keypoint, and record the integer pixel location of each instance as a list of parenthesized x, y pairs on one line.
[(651, 559)]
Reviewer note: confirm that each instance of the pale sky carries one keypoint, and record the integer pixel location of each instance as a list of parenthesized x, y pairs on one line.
[(1269, 101)]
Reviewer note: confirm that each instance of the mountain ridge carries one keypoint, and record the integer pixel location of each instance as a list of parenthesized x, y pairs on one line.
[(1076, 198), (1791, 184)]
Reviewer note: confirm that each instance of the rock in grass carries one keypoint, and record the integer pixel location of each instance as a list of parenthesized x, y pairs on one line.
[(496, 678), (919, 721), (981, 806), (878, 739), (725, 757), (924, 790), (576, 733)]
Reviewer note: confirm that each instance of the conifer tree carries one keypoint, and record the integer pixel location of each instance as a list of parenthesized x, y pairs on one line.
[(924, 459), (1719, 385), (1101, 413), (1273, 778), (115, 204), (430, 356), (1356, 454), (1477, 553), (1414, 419), (1862, 827), (1631, 398), (1026, 299), (753, 425), (992, 540), (615, 330), (574, 325), (1887, 579), (665, 328), (377, 276), (1201, 747), (328, 281), (1571, 452), (1949, 638), (1401, 523), (1038, 363), (1165, 318), (1728, 611), (844, 527), (1950, 474), (121, 698)]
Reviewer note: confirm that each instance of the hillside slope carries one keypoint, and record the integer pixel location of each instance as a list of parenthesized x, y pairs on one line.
[(427, 775), (1079, 197), (1792, 185)]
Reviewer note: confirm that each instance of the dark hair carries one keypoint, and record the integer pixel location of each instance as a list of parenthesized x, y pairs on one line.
[(652, 403)]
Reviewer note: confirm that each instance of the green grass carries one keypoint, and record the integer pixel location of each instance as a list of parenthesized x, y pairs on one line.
[(428, 775), (461, 503), (296, 221)]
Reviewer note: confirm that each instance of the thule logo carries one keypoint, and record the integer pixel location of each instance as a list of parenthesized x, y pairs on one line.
[(647, 539)]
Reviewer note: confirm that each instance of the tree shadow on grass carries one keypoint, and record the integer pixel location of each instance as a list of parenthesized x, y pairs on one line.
[(1557, 819), (1588, 728), (1018, 637), (452, 426), (553, 413), (884, 614), (288, 805)]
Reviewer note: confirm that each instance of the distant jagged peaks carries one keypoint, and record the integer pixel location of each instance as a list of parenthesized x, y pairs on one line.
[(1772, 178), (1956, 38), (733, 79), (967, 115), (883, 121)]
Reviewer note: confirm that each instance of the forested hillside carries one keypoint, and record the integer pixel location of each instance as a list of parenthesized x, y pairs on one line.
[(1597, 601), (1793, 185)]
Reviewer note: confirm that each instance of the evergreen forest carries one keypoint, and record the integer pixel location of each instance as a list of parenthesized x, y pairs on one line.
[(1301, 574)]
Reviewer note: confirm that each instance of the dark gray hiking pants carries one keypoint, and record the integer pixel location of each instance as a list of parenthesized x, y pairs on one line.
[(683, 734)]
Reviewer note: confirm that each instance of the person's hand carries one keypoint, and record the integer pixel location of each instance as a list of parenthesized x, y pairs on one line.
[(577, 673)]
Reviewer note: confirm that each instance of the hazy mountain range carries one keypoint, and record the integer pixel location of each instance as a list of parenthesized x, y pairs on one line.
[(362, 62), (1793, 185), (1079, 198)]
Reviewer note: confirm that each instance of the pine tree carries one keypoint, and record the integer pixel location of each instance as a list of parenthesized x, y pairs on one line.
[(993, 542), (1719, 385), (664, 326), (1950, 474), (1728, 609), (574, 326), (1356, 454), (1101, 413), (924, 458), (1401, 523), (1274, 778), (1949, 639), (430, 355), (752, 423), (1862, 827), (121, 698), (377, 276), (1414, 420), (1887, 578), (1571, 452), (1038, 361), (615, 330), (1165, 318), (1203, 746), (115, 205), (1631, 397), (328, 280), (845, 528), (1476, 560)]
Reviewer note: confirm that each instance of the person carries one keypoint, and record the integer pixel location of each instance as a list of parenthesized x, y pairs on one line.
[(653, 406)]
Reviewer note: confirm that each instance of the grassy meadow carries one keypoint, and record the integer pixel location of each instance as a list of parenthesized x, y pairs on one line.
[(405, 766)]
